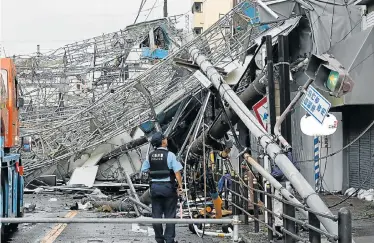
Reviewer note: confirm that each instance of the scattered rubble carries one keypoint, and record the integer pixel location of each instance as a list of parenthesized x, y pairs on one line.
[(29, 207), (362, 194)]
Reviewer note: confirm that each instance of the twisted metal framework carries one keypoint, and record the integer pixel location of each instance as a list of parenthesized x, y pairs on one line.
[(59, 84), (124, 107)]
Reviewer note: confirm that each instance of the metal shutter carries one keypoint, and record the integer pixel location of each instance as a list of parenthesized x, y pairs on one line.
[(370, 19), (361, 153)]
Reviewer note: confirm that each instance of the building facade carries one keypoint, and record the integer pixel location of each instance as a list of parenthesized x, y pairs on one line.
[(207, 12)]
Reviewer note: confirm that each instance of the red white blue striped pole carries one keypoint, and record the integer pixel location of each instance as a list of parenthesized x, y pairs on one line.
[(316, 163)]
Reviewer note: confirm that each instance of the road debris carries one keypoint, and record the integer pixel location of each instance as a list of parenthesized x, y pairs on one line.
[(29, 207)]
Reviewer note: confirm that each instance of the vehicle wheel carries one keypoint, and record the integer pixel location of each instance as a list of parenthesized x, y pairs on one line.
[(225, 228), (4, 232), (191, 228), (199, 226), (13, 227)]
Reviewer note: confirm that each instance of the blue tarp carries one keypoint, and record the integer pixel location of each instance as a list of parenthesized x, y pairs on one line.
[(252, 13), (156, 54)]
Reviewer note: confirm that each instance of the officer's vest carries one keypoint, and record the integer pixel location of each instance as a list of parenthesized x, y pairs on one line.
[(159, 169)]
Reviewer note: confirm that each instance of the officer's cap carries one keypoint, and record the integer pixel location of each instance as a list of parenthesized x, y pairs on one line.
[(157, 138)]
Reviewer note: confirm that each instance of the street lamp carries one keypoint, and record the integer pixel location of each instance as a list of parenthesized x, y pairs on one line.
[(329, 75)]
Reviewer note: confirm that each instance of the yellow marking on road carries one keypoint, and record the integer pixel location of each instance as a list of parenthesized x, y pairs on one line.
[(57, 230)]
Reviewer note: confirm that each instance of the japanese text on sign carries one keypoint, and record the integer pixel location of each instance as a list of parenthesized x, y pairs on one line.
[(315, 104)]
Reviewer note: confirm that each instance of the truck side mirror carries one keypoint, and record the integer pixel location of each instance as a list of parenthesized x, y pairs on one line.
[(20, 102)]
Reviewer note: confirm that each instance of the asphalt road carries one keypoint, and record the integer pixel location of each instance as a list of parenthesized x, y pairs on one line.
[(362, 214), (86, 233)]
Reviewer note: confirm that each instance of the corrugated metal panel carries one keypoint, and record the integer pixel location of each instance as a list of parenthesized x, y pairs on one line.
[(360, 154), (370, 19)]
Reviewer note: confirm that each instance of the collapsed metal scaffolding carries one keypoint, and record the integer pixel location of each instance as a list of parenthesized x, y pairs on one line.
[(127, 106), (59, 84), (124, 107)]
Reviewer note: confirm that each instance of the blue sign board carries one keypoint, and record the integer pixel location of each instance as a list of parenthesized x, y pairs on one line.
[(315, 104)]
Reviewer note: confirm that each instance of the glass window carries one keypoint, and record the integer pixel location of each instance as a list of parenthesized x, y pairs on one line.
[(197, 7), (198, 30)]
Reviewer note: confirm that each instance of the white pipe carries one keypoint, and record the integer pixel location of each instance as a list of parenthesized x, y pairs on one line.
[(272, 148), (212, 233)]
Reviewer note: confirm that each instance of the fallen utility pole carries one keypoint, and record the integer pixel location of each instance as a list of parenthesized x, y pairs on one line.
[(271, 147), (253, 93), (140, 204), (119, 206)]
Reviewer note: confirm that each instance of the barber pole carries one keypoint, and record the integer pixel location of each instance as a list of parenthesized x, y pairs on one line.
[(316, 163)]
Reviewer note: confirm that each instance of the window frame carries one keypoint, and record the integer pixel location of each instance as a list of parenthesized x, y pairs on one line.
[(200, 28), (195, 9)]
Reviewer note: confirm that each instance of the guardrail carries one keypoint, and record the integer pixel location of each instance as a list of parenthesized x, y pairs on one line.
[(240, 203)]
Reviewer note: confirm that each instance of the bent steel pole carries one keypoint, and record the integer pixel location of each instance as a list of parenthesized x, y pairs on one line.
[(271, 147)]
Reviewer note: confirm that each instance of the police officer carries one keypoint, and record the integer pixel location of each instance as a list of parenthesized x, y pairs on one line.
[(163, 169)]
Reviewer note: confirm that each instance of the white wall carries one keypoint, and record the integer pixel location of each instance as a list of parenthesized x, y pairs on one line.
[(333, 175)]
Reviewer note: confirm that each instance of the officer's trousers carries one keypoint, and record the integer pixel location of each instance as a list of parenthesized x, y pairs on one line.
[(164, 203)]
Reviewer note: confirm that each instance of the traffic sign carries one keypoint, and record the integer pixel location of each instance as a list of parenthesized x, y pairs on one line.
[(261, 111), (315, 104)]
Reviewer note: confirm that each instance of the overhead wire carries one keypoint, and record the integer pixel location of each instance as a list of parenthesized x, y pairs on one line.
[(345, 147), (354, 193), (361, 62), (140, 9), (332, 22), (150, 11)]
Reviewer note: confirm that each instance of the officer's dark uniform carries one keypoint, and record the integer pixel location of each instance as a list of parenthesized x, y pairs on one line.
[(161, 165)]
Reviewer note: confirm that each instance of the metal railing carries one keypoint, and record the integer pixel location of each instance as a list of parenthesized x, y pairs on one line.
[(234, 222), (240, 202)]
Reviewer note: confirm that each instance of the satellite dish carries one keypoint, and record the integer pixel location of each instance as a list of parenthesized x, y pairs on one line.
[(311, 127)]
